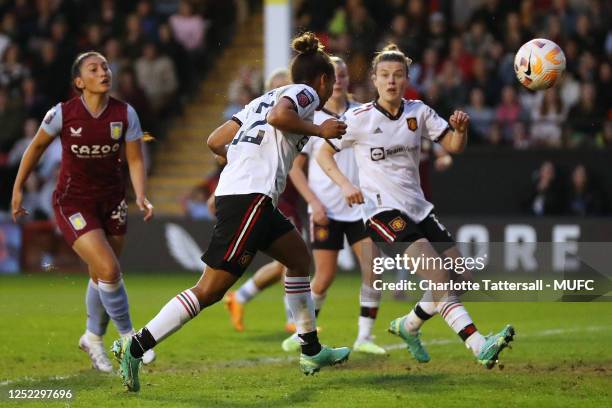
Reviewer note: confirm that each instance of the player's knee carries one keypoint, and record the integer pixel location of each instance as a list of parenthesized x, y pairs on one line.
[(300, 266), (108, 271)]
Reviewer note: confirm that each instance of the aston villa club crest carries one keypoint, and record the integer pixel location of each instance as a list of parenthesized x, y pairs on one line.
[(412, 124), (397, 224), (116, 130)]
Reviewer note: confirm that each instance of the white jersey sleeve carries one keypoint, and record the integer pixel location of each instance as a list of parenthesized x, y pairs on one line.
[(309, 147), (435, 126), (305, 101), (241, 116), (52, 123)]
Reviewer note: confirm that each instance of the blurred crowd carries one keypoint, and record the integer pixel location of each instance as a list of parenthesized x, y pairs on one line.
[(565, 191), (463, 53), (157, 50)]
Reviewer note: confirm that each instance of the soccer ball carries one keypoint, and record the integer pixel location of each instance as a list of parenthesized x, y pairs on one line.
[(539, 64)]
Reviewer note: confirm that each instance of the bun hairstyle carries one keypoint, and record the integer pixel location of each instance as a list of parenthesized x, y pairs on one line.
[(311, 59), (75, 70), (391, 52)]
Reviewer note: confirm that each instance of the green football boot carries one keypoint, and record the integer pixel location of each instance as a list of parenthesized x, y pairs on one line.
[(494, 344), (368, 346), (291, 344), (412, 340), (327, 357), (128, 365)]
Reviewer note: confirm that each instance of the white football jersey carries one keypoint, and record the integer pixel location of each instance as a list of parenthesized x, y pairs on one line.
[(324, 188), (260, 156), (387, 150)]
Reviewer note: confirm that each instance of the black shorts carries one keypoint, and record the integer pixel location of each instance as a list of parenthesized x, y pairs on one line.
[(395, 226), (331, 236), (246, 223)]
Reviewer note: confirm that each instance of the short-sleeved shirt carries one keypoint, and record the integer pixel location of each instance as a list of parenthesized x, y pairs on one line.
[(260, 156), (325, 188), (387, 150), (91, 146)]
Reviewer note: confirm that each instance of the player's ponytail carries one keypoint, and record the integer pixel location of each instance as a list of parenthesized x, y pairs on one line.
[(75, 70), (311, 59), (391, 52)]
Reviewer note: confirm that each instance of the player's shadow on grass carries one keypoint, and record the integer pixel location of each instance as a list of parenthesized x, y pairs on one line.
[(298, 397), (391, 382)]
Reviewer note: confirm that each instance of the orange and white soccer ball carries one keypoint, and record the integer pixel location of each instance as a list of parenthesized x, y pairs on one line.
[(539, 64)]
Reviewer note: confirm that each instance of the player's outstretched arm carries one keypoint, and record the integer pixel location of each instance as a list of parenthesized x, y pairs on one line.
[(138, 175), (300, 181), (284, 117), (325, 158), (220, 138), (30, 159), (454, 141)]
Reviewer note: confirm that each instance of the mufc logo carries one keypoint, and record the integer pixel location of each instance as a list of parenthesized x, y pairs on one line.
[(245, 259), (397, 224), (321, 233), (412, 124), (116, 130)]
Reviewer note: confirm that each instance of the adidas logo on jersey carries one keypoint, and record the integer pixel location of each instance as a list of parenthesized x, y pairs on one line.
[(378, 130)]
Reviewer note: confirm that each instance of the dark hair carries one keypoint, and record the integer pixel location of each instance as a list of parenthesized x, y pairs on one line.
[(75, 70), (391, 52), (311, 59)]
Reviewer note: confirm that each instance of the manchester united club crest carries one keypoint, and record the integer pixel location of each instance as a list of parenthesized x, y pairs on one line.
[(412, 124), (321, 233), (397, 224), (245, 259), (116, 130)]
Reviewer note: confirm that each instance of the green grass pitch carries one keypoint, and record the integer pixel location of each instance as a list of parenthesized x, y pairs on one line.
[(561, 354)]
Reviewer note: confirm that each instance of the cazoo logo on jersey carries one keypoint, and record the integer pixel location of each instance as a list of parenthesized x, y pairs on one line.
[(86, 151)]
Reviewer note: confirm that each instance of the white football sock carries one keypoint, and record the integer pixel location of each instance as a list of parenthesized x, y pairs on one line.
[(247, 292), (297, 291), (178, 311)]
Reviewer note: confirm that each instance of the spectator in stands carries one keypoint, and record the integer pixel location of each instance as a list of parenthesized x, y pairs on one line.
[(486, 80), (35, 104), (148, 19), (508, 112), (248, 77), (584, 119), (481, 116), (50, 73), (134, 39), (584, 198), (11, 116), (116, 62), (546, 197), (157, 77), (244, 97), (189, 28), (438, 33), (477, 40), (129, 91), (12, 71), (547, 119)]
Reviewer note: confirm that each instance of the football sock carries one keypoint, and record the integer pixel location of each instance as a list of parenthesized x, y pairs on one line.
[(141, 342), (422, 311), (367, 317), (97, 318), (288, 315), (178, 311), (247, 291), (297, 291), (318, 299), (458, 318), (115, 300), (369, 300)]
